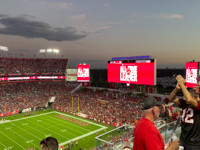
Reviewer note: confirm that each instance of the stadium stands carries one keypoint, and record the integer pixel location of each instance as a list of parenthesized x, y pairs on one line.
[(18, 66)]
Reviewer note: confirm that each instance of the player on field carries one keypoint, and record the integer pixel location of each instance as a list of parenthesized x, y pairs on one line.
[(190, 126)]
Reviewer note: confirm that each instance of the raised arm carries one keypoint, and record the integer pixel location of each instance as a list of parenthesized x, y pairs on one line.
[(172, 97), (188, 97)]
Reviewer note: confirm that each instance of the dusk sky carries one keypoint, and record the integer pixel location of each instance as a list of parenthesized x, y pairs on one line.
[(94, 31)]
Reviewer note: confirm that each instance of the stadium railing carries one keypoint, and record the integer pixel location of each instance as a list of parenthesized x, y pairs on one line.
[(116, 139)]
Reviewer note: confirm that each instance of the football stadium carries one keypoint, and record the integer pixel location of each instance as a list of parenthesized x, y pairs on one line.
[(99, 75), (41, 97)]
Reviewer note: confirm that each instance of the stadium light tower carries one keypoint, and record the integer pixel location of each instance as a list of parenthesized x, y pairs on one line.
[(50, 51)]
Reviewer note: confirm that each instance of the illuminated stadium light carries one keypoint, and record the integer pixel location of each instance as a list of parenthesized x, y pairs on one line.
[(3, 48), (42, 50), (55, 50), (49, 50)]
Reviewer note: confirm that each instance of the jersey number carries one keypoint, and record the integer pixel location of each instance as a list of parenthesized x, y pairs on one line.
[(187, 115)]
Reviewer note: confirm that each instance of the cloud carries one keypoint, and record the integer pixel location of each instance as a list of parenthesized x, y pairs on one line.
[(21, 26), (78, 17), (172, 16), (106, 5), (61, 5), (98, 29), (2, 15)]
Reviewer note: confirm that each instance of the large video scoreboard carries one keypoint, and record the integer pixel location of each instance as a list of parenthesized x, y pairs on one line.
[(83, 73), (192, 72), (139, 71)]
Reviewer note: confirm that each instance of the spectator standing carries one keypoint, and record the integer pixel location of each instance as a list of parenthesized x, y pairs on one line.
[(147, 136), (190, 125)]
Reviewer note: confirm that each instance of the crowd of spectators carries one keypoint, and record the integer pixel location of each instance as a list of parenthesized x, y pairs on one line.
[(31, 65), (104, 106), (18, 96), (107, 106)]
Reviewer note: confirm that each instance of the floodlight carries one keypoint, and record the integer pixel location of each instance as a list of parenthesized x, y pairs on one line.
[(56, 50), (49, 50), (3, 48), (42, 50)]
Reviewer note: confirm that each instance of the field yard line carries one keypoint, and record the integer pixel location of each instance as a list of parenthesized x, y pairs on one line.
[(57, 128), (28, 133), (47, 129), (27, 117), (24, 137), (82, 136), (80, 119), (67, 123), (13, 140), (3, 145), (37, 130)]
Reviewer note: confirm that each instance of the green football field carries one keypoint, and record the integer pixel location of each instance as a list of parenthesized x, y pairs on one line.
[(28, 131)]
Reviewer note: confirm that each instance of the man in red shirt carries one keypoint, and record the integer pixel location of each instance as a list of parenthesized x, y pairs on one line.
[(146, 135)]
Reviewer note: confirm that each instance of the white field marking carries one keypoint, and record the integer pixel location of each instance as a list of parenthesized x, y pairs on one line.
[(3, 145), (25, 124), (63, 130), (22, 136), (87, 134), (65, 125), (8, 128), (80, 119), (48, 129), (47, 135), (70, 124), (28, 132), (31, 141), (82, 136), (36, 129), (28, 117), (8, 148), (56, 127), (13, 141)]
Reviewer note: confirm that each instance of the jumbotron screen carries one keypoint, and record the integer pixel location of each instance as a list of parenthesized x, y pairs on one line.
[(192, 69), (83, 73), (132, 71)]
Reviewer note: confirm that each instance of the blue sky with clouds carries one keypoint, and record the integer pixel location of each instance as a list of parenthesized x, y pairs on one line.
[(94, 31)]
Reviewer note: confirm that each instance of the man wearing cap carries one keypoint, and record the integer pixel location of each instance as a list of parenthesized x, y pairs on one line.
[(146, 135)]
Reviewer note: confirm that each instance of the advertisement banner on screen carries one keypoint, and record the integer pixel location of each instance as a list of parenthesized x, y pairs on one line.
[(192, 69), (83, 73), (140, 72)]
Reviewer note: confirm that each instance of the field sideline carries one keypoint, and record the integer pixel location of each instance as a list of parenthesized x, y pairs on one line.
[(22, 133)]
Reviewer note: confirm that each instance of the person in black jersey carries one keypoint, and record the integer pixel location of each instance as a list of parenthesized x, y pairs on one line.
[(190, 124)]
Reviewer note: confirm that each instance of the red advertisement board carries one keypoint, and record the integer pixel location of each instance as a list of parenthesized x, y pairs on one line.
[(31, 78), (191, 73), (133, 73), (83, 73)]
